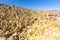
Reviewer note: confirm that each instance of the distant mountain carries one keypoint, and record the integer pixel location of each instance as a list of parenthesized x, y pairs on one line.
[(17, 23)]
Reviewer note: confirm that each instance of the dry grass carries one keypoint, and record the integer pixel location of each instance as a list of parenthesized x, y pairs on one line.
[(18, 23)]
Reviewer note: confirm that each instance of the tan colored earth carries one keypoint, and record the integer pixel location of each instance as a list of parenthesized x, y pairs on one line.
[(17, 23)]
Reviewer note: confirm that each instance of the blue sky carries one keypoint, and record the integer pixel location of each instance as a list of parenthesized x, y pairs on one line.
[(35, 4)]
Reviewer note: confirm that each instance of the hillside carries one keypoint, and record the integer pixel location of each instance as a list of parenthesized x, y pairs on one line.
[(18, 23)]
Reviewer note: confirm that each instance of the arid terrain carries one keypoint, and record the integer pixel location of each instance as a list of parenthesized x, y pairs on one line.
[(17, 23)]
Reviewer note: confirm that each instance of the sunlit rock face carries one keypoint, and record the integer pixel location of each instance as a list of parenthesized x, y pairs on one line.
[(18, 23)]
